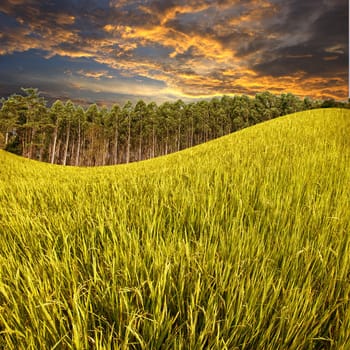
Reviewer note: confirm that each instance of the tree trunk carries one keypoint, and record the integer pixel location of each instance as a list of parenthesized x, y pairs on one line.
[(26, 147), (166, 143), (41, 151), (58, 150), (116, 146), (129, 142), (192, 132), (31, 145), (77, 158), (106, 153), (72, 150), (66, 146), (53, 153), (140, 148), (153, 142)]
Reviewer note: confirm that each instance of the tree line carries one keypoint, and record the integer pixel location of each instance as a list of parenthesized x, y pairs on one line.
[(68, 134)]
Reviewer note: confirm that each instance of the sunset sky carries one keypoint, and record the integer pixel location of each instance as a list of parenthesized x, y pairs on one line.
[(114, 50)]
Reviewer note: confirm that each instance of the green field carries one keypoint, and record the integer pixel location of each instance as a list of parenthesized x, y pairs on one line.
[(239, 243)]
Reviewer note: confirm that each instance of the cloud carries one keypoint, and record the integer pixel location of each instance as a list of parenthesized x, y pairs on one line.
[(95, 75), (321, 55), (193, 48)]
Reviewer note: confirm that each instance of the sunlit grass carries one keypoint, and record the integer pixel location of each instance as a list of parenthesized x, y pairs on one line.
[(241, 243)]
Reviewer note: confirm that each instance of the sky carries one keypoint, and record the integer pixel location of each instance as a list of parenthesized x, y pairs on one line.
[(111, 51)]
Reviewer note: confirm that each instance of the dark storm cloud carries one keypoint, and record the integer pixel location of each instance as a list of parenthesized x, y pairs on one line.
[(161, 7), (312, 66), (323, 49), (331, 27), (298, 13), (86, 17)]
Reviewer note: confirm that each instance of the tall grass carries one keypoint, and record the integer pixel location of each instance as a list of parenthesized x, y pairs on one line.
[(241, 243)]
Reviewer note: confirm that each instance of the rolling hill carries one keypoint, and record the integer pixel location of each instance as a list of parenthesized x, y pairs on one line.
[(239, 243)]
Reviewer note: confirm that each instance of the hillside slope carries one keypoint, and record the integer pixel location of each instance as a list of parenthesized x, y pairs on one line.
[(242, 242)]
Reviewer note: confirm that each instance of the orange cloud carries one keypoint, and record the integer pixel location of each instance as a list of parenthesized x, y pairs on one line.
[(299, 84), (331, 58), (64, 19), (168, 37), (177, 10), (95, 75)]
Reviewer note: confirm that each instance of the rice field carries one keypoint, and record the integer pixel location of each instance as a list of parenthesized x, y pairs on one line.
[(240, 243)]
